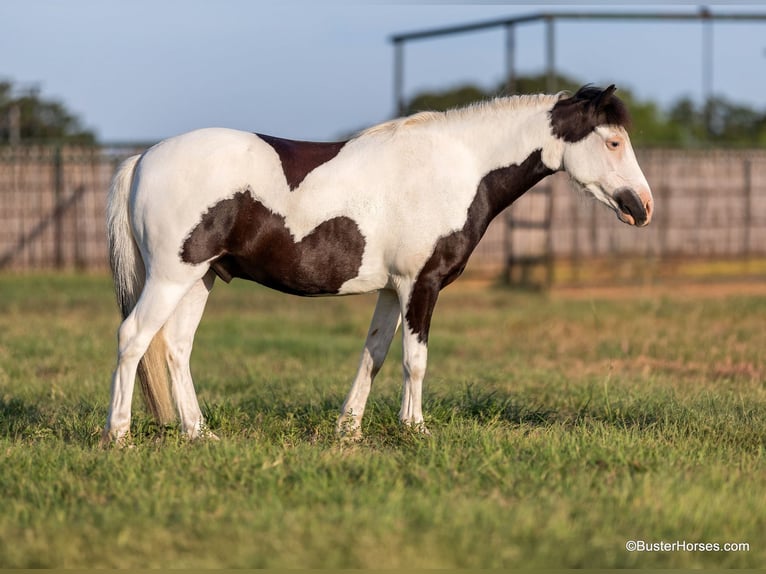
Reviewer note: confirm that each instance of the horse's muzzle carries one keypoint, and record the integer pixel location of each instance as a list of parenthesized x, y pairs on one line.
[(632, 208)]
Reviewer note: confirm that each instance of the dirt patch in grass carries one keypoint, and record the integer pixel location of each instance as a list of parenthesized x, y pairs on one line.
[(682, 289)]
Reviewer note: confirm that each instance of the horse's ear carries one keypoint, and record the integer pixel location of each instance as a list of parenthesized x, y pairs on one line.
[(574, 118), (604, 98)]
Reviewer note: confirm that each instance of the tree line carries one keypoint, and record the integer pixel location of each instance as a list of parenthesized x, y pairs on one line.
[(28, 117), (718, 122)]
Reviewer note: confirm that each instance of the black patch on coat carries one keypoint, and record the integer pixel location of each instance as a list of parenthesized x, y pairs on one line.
[(249, 241), (572, 119), (496, 191), (300, 158)]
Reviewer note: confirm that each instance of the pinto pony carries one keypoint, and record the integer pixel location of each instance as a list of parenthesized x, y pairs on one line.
[(397, 209)]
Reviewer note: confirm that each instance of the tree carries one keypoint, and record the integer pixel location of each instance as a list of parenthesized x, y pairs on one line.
[(439, 101), (734, 124), (445, 100), (28, 118), (717, 123)]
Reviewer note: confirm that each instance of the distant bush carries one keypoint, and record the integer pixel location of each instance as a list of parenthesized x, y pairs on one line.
[(28, 118), (716, 123)]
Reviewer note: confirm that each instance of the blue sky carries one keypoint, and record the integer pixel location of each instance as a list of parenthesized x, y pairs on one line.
[(148, 69)]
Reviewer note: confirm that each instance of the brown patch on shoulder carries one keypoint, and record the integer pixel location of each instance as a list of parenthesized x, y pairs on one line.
[(245, 239), (300, 158), (496, 191)]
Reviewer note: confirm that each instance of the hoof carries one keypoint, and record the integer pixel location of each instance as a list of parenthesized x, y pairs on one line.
[(208, 435), (348, 429), (202, 433), (417, 427), (352, 437), (115, 439)]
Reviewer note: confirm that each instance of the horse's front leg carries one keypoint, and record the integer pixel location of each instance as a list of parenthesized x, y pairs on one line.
[(417, 309), (385, 321)]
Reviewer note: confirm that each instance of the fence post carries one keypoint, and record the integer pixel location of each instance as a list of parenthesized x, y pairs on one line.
[(575, 253), (524, 262), (747, 176), (58, 224)]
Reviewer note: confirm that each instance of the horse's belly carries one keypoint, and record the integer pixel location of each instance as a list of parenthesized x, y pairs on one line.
[(309, 274), (304, 281)]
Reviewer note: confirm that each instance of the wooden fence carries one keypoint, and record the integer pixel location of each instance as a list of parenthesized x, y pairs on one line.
[(52, 205), (709, 204)]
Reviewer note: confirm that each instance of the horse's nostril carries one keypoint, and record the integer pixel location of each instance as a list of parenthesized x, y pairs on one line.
[(630, 204)]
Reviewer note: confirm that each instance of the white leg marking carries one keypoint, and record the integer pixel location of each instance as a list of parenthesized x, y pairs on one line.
[(414, 367), (385, 321), (123, 380), (154, 307), (415, 353), (179, 334)]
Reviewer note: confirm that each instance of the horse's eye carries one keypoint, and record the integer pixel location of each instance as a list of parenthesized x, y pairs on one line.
[(613, 144)]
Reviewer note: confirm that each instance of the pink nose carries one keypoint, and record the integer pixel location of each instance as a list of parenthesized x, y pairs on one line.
[(648, 205), (635, 208)]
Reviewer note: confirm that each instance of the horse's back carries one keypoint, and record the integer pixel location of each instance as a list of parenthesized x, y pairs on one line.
[(207, 163), (224, 198)]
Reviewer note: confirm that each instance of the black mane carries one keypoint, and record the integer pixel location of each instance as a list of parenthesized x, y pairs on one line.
[(575, 117)]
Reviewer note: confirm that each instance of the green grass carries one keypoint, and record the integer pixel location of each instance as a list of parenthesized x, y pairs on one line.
[(560, 430)]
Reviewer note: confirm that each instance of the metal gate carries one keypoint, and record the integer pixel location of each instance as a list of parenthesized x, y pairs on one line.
[(529, 241)]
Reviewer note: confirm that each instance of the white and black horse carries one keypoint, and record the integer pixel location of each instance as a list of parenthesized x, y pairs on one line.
[(398, 209)]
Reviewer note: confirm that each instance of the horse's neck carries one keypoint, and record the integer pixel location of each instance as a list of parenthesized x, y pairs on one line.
[(510, 145), (500, 134)]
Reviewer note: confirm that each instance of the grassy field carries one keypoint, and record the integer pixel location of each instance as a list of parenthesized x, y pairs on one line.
[(561, 428)]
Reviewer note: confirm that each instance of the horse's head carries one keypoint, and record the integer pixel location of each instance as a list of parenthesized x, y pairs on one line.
[(596, 152)]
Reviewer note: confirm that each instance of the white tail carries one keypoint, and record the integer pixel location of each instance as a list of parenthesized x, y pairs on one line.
[(129, 274)]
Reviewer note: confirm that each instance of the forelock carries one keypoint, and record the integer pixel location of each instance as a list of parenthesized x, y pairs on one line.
[(573, 118)]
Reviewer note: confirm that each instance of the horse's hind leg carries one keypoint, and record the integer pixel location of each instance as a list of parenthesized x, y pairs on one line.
[(179, 337), (384, 323), (157, 302)]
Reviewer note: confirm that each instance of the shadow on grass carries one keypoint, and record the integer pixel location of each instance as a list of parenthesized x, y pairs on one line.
[(17, 417), (277, 416), (27, 421), (486, 407), (301, 419)]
